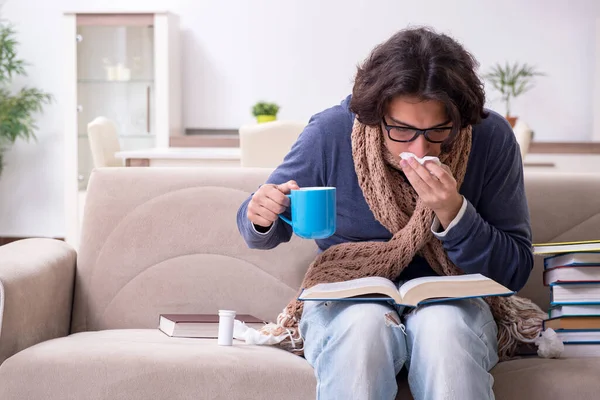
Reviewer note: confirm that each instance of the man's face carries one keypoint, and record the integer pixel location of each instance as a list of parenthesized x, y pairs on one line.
[(408, 112)]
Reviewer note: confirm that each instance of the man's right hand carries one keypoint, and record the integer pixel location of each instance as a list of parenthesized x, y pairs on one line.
[(268, 202)]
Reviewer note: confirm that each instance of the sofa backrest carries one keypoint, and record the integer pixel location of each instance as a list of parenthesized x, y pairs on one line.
[(165, 240), (563, 207), (160, 240)]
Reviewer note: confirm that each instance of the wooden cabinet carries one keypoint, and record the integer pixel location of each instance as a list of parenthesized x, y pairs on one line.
[(125, 67)]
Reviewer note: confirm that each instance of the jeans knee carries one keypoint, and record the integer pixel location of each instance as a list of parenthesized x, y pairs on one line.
[(451, 330), (365, 319), (360, 330), (453, 318)]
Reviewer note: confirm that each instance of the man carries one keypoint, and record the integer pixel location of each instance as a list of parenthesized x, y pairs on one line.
[(418, 92)]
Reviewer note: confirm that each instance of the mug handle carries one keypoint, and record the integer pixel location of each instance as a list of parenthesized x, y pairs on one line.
[(284, 218)]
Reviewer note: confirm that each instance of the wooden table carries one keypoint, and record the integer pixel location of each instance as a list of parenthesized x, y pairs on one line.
[(182, 157), (539, 164)]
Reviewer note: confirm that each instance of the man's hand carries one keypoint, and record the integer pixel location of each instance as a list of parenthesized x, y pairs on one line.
[(268, 202), (436, 186)]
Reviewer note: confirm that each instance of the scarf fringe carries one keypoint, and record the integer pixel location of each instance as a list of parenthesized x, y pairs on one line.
[(519, 322), (287, 324)]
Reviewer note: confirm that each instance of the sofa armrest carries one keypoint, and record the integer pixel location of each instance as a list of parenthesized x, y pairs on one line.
[(36, 293)]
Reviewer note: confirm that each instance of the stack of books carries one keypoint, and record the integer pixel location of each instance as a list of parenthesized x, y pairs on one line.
[(572, 271)]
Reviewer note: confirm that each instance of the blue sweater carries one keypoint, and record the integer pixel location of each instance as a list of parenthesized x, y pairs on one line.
[(493, 236)]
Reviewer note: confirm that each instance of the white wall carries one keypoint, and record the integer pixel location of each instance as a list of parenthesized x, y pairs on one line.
[(301, 54)]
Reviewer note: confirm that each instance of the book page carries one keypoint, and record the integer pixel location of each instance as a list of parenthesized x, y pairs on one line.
[(436, 289), (427, 279), (372, 288), (351, 284)]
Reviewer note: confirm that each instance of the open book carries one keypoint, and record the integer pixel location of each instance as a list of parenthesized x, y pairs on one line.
[(412, 293)]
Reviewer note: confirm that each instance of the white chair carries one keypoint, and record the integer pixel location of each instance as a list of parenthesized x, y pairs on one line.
[(104, 143), (524, 135), (265, 145)]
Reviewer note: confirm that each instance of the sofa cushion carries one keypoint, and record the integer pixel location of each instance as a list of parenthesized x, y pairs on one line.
[(146, 364), (544, 379), (539, 379)]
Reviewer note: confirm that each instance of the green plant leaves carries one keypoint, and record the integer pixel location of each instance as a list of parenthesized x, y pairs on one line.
[(16, 109), (16, 113), (512, 80), (10, 65), (264, 108)]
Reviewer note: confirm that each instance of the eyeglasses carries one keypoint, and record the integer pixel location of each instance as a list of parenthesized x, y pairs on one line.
[(405, 134)]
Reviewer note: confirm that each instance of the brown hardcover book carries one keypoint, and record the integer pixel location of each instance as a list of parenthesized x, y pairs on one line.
[(575, 323), (199, 325)]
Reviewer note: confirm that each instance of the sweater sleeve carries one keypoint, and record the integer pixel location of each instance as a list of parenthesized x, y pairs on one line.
[(306, 164), (494, 239)]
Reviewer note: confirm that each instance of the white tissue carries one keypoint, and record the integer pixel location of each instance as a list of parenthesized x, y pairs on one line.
[(251, 336), (406, 155), (549, 344)]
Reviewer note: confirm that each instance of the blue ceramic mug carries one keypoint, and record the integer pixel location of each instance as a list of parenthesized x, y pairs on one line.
[(313, 212)]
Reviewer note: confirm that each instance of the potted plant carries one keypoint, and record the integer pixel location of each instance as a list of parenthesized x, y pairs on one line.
[(511, 80), (265, 112), (17, 108)]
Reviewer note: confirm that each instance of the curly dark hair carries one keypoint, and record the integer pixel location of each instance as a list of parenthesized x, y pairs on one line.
[(423, 63)]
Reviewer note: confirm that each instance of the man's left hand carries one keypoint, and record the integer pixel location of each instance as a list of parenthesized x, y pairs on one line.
[(436, 187)]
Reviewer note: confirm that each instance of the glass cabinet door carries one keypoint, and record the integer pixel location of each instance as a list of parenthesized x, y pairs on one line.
[(115, 79)]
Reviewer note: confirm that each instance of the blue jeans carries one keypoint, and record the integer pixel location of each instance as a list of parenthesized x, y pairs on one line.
[(357, 348)]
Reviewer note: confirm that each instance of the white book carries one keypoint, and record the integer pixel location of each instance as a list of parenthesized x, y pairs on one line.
[(575, 310), (412, 293), (572, 274), (577, 293), (572, 259), (579, 336)]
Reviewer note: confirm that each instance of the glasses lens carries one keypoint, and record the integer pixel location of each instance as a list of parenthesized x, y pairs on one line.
[(438, 135), (402, 133)]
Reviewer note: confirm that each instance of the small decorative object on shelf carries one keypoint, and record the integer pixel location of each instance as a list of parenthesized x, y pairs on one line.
[(118, 72), (265, 112), (512, 80)]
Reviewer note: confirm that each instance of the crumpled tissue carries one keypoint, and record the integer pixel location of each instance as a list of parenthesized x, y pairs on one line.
[(243, 332), (406, 155), (549, 344)]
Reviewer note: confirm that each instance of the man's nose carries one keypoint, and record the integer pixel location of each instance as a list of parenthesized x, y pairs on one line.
[(419, 146)]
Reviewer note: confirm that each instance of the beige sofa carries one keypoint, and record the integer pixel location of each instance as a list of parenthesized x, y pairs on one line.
[(165, 240)]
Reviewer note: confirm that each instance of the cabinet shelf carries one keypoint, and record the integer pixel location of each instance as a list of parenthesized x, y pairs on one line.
[(133, 136), (115, 82)]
